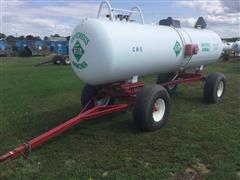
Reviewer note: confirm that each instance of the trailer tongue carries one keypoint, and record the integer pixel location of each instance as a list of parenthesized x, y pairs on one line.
[(25, 148)]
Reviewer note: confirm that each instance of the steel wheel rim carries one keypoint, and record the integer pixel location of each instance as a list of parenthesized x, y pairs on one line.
[(220, 89), (159, 110), (67, 61), (171, 87), (103, 101)]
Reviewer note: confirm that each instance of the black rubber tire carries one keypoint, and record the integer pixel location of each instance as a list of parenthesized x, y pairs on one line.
[(90, 91), (142, 111), (66, 60), (162, 78), (225, 57), (57, 59), (25, 52), (211, 87)]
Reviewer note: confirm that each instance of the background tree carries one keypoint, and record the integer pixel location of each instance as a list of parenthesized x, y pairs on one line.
[(21, 37), (29, 37), (55, 35), (68, 38), (2, 36), (11, 37), (45, 38), (37, 38)]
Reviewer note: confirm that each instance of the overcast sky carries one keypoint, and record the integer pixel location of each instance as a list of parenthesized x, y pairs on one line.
[(46, 17)]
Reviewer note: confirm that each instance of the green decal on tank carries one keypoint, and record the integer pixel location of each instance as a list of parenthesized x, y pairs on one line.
[(78, 50), (177, 48), (205, 47), (82, 36)]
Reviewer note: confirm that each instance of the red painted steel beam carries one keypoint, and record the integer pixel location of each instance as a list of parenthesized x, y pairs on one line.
[(89, 114), (188, 79)]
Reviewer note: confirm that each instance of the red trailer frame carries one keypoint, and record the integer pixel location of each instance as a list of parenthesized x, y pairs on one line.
[(124, 91)]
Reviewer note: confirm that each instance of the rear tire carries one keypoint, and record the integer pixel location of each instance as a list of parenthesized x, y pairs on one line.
[(25, 52), (89, 92), (226, 57), (152, 107), (163, 78), (214, 87)]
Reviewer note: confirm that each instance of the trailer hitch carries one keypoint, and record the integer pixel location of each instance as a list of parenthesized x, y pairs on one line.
[(22, 150)]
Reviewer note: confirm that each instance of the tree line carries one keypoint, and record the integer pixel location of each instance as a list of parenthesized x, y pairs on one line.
[(27, 37)]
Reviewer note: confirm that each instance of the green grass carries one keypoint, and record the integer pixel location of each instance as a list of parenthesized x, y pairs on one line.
[(199, 140)]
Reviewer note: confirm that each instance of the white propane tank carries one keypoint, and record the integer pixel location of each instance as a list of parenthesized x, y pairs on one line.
[(227, 46), (105, 51), (236, 46)]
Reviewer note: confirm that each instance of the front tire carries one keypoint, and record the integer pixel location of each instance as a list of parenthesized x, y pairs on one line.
[(226, 57), (152, 108), (88, 94), (214, 87), (163, 78)]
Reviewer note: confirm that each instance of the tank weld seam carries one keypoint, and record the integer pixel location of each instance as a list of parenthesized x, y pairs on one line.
[(191, 42), (184, 43)]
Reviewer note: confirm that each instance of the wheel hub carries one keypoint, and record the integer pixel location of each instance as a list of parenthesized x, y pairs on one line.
[(220, 89), (67, 61), (159, 110), (103, 101)]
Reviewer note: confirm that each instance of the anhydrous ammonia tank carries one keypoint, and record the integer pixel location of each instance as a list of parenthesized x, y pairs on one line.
[(104, 51), (236, 46), (227, 46)]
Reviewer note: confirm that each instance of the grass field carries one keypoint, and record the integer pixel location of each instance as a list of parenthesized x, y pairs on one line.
[(200, 141)]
